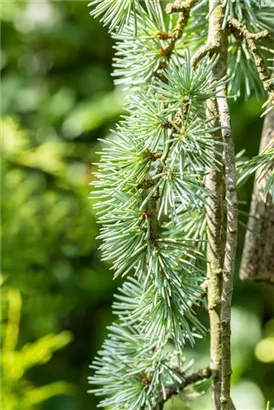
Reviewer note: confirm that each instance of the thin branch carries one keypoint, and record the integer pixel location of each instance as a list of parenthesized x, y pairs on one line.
[(215, 38), (201, 53), (213, 182), (184, 9), (218, 36), (151, 207), (173, 390), (261, 67), (230, 248), (221, 286), (241, 31), (180, 6), (217, 43)]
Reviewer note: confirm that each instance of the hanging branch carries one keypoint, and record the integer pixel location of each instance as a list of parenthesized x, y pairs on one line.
[(150, 169), (163, 172), (221, 284)]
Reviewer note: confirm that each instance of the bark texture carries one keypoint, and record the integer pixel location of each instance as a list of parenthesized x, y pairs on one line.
[(221, 267), (258, 256), (213, 182), (230, 248)]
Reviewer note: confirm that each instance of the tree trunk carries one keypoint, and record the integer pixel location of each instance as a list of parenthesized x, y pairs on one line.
[(258, 256)]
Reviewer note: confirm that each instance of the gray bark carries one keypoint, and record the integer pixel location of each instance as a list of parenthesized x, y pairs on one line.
[(258, 256)]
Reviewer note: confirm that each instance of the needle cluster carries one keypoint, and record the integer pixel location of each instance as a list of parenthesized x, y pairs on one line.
[(150, 194)]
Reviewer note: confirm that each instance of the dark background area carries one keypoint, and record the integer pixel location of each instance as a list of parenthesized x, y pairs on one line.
[(57, 99)]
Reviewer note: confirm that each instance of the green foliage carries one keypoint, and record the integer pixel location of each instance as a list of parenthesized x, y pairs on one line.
[(135, 374), (185, 86), (262, 164), (264, 349), (144, 51), (57, 99), (38, 222), (150, 177), (114, 13), (56, 93), (256, 16), (17, 391), (238, 8)]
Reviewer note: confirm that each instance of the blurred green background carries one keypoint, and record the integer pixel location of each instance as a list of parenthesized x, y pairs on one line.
[(57, 99)]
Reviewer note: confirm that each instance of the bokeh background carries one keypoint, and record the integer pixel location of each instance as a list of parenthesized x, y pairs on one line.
[(57, 99)]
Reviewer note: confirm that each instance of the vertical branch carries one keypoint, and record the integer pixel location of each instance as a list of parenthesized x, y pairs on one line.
[(230, 248), (220, 287), (219, 37), (215, 224), (213, 182)]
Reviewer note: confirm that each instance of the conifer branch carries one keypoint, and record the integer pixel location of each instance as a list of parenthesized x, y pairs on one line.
[(153, 198), (215, 224), (202, 52), (214, 182), (180, 6), (230, 247), (240, 30), (183, 7), (221, 272), (193, 378), (220, 35), (215, 38)]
